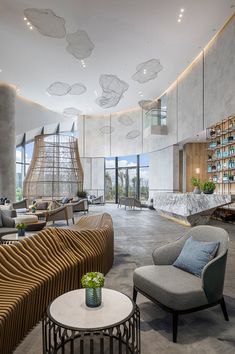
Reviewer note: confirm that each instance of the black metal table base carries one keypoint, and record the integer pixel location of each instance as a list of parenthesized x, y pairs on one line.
[(122, 338)]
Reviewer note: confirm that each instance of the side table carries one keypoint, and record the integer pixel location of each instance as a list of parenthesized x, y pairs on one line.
[(114, 327), (11, 238)]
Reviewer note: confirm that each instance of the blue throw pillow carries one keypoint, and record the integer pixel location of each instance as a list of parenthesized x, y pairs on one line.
[(195, 255)]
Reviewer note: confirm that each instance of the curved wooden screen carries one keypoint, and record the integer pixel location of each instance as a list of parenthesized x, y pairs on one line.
[(55, 170)]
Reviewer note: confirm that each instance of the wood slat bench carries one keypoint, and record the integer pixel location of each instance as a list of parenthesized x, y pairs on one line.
[(37, 269)]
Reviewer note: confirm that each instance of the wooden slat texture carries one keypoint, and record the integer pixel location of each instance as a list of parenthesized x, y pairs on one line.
[(37, 269)]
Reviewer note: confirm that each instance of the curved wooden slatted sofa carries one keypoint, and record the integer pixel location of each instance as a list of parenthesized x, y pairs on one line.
[(37, 269)]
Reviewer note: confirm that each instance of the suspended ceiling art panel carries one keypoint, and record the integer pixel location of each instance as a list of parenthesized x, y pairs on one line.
[(62, 88), (46, 22), (147, 71), (113, 90), (55, 169), (79, 44), (127, 133)]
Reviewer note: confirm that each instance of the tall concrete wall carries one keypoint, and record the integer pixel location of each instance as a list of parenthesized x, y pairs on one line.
[(7, 146), (164, 170)]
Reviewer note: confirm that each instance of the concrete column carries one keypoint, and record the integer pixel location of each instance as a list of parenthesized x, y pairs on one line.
[(164, 170), (7, 142)]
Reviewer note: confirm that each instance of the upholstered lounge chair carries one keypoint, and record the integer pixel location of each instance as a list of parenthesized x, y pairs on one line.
[(81, 205), (61, 213), (21, 206), (98, 200), (178, 291)]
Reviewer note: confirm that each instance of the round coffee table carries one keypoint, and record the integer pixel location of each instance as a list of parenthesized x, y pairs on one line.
[(113, 327), (11, 238)]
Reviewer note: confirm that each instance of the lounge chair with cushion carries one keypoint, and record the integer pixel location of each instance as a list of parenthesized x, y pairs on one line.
[(171, 282)]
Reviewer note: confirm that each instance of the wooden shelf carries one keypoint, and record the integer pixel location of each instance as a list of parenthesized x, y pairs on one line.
[(224, 187)]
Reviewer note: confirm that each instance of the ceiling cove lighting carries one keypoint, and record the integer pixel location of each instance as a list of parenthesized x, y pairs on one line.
[(29, 24)]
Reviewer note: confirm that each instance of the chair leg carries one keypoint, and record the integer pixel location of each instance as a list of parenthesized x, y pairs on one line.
[(175, 325), (134, 294), (67, 222), (73, 220), (224, 309)]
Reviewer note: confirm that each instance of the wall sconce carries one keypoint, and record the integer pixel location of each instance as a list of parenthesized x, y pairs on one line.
[(197, 170)]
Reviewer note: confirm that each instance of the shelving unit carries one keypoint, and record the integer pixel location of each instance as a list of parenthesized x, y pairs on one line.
[(221, 155)]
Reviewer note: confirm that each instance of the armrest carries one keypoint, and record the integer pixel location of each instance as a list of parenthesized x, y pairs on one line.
[(213, 278), (167, 254), (7, 221), (55, 211)]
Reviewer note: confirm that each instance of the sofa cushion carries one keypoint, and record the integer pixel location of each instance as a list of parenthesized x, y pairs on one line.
[(64, 200), (26, 219), (195, 255), (7, 221), (172, 287)]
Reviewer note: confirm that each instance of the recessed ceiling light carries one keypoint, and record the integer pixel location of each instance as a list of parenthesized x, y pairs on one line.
[(179, 19), (180, 15), (31, 27), (28, 24), (182, 10), (144, 72), (25, 18)]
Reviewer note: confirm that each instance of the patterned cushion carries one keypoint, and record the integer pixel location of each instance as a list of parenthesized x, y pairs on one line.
[(195, 255)]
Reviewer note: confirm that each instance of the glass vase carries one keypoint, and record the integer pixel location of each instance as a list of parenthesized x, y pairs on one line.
[(93, 297), (21, 232)]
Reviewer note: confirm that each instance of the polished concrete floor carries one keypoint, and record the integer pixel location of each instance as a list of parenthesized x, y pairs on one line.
[(137, 233)]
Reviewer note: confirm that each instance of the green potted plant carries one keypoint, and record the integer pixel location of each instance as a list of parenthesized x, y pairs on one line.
[(197, 185), (208, 187), (93, 282), (81, 194), (21, 229)]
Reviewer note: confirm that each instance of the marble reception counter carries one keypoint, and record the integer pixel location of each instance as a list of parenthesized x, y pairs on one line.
[(188, 208)]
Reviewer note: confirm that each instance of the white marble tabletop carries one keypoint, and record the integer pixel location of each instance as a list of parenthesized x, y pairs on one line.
[(15, 237), (69, 310)]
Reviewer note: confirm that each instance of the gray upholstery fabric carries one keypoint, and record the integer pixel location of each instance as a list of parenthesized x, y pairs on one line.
[(171, 286), (7, 230), (7, 221), (1, 219), (176, 288)]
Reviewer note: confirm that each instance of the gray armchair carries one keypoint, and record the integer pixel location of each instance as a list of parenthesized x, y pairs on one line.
[(21, 206), (7, 224), (178, 291)]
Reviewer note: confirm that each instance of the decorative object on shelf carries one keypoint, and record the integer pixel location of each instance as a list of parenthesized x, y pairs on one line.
[(93, 282), (208, 187), (212, 132), (197, 184), (21, 229)]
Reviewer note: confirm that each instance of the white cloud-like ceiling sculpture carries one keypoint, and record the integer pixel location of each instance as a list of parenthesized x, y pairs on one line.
[(77, 89), (107, 129), (113, 89), (79, 44), (47, 22), (71, 112), (133, 134), (59, 88), (148, 104), (147, 71), (125, 120)]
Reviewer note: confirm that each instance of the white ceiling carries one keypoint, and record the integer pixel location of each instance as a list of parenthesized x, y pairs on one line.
[(125, 33)]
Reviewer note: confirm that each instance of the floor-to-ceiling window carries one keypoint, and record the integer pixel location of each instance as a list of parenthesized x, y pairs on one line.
[(126, 176)]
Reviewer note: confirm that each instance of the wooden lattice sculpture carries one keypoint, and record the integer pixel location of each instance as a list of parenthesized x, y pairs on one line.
[(55, 169)]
